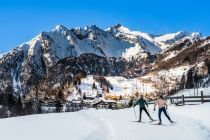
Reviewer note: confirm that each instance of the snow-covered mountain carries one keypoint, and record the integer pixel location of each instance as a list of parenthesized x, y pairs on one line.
[(57, 56), (116, 41), (169, 39), (144, 42), (1, 55)]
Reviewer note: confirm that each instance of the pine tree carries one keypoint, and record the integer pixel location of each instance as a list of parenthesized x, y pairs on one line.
[(19, 106), (75, 82), (94, 86), (84, 96), (11, 104), (11, 100), (1, 99), (130, 104), (107, 89), (28, 109), (79, 91), (39, 107), (190, 79), (58, 105), (101, 84), (120, 98), (60, 95), (183, 81), (208, 65), (79, 82), (59, 101)]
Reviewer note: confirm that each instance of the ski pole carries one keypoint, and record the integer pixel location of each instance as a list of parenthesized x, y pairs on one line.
[(149, 112), (134, 112), (148, 109), (153, 111), (168, 112)]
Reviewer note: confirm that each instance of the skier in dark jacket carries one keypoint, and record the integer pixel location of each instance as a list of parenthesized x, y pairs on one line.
[(141, 102)]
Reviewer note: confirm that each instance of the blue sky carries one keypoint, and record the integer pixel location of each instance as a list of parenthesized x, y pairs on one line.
[(21, 20)]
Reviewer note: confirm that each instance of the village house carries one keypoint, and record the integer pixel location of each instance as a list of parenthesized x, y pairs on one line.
[(107, 104)]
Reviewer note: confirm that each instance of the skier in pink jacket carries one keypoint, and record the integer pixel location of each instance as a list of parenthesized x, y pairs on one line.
[(162, 105)]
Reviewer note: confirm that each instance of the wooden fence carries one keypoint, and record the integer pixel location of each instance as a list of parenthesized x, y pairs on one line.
[(181, 100)]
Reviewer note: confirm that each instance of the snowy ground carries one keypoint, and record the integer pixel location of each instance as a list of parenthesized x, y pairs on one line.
[(194, 92), (121, 85), (192, 123), (127, 87)]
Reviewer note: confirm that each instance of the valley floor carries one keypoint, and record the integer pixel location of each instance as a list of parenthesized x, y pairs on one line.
[(192, 123)]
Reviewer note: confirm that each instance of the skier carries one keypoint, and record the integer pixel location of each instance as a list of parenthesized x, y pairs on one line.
[(162, 105), (141, 102)]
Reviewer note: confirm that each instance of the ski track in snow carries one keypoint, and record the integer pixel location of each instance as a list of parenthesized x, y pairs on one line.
[(206, 130), (92, 124), (101, 124), (110, 126), (126, 128)]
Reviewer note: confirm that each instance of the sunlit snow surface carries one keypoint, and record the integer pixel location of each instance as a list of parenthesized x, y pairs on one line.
[(192, 122), (121, 86)]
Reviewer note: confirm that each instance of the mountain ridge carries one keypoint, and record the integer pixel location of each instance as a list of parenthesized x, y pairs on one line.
[(133, 40), (136, 53)]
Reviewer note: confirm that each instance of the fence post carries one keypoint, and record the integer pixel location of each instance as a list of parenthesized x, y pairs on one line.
[(202, 99), (171, 101), (183, 103)]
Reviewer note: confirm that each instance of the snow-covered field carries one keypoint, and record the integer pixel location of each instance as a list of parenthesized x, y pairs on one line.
[(194, 92), (192, 123), (121, 85)]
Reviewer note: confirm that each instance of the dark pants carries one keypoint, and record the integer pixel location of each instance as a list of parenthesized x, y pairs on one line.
[(141, 109), (163, 109)]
